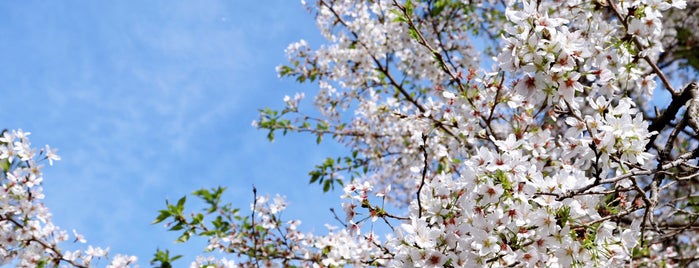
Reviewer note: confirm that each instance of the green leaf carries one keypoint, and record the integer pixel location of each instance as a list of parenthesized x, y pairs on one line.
[(315, 175), (285, 70), (164, 214), (162, 259), (270, 135), (197, 219), (409, 7), (438, 7), (183, 238), (177, 227), (180, 203), (327, 185), (203, 193), (413, 34), (399, 16), (5, 165), (208, 233), (213, 197)]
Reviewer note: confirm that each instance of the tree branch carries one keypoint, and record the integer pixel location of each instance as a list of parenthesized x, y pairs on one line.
[(660, 122)]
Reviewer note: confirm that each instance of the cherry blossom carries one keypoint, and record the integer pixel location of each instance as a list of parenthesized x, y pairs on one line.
[(28, 237), (554, 145), (481, 134)]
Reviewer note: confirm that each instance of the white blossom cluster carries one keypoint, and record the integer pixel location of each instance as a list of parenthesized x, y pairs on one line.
[(545, 159), (28, 238), (550, 157)]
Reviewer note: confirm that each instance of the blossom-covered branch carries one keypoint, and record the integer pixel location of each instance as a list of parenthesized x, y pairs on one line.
[(529, 149), (28, 238)]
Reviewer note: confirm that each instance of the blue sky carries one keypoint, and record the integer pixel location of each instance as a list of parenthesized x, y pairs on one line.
[(150, 100)]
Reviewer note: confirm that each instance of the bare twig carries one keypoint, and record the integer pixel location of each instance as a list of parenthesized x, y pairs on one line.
[(254, 230), (664, 119), (424, 174)]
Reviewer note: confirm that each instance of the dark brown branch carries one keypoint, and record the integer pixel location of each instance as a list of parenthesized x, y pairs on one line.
[(424, 174), (254, 230), (664, 119)]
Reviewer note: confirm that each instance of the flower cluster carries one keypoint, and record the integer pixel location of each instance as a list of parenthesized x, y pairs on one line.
[(263, 239), (551, 157), (28, 238)]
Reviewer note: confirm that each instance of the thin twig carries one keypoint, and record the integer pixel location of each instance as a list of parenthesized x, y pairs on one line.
[(424, 174), (254, 230)]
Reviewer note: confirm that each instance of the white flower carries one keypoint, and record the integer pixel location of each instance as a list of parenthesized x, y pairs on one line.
[(51, 155), (78, 237)]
